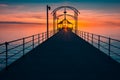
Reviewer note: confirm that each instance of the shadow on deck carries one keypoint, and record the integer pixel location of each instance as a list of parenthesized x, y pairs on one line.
[(64, 56)]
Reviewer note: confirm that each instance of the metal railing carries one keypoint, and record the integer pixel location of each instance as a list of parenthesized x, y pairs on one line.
[(13, 50), (106, 44)]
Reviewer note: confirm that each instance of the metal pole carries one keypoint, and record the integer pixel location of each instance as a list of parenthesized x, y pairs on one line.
[(23, 46), (6, 45), (33, 40), (109, 42), (92, 39), (98, 41), (38, 39), (42, 37), (48, 8), (46, 35), (88, 36), (79, 33), (82, 34), (47, 22)]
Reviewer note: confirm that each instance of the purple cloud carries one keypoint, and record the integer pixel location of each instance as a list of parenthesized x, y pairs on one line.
[(3, 5)]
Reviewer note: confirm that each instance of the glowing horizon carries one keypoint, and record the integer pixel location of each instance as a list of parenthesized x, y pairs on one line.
[(33, 15), (37, 14)]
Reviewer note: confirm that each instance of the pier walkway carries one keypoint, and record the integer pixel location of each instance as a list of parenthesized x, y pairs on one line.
[(65, 56)]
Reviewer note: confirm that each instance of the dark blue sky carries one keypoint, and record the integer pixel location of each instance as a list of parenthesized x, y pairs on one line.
[(56, 1)]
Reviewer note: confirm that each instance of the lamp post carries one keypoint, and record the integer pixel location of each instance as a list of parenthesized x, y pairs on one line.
[(47, 8)]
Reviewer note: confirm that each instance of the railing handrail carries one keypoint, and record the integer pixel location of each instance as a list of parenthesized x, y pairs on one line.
[(100, 39), (34, 39), (102, 36), (19, 39)]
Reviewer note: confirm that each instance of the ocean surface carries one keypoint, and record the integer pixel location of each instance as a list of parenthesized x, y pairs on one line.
[(9, 32)]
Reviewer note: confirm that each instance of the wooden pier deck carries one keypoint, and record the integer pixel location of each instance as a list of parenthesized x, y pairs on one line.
[(65, 56)]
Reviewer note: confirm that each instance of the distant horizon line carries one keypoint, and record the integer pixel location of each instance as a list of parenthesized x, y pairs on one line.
[(17, 22)]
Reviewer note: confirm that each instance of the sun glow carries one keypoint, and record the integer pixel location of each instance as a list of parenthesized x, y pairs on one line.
[(91, 20)]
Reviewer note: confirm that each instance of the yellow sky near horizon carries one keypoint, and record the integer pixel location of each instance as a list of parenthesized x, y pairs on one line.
[(22, 17), (37, 14)]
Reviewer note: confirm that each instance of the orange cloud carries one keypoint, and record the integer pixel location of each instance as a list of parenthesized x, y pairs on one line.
[(22, 13), (98, 18)]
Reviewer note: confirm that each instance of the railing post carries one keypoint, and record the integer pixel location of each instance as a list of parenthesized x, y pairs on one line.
[(98, 41), (109, 43), (87, 37), (55, 31), (42, 37), (79, 33), (6, 53), (23, 46), (50, 34), (33, 41), (82, 34), (38, 39), (92, 39), (46, 36)]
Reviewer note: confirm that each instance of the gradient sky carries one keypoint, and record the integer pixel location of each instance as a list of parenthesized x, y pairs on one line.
[(15, 1), (97, 16), (93, 12)]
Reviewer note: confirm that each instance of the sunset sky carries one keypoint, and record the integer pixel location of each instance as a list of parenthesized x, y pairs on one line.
[(93, 12)]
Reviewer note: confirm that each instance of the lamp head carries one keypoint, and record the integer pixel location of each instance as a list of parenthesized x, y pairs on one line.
[(48, 7)]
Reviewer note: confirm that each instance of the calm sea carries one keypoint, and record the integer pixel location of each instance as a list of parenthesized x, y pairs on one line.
[(9, 32)]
